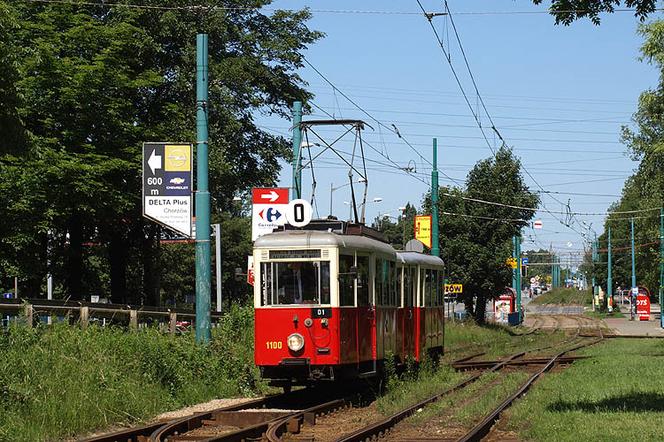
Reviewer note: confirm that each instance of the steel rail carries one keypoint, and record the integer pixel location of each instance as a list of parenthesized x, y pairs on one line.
[(138, 434), (279, 426), (482, 428)]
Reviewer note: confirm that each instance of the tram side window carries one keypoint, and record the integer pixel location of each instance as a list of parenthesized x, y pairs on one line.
[(407, 287), (380, 282), (362, 280), (428, 285), (346, 281), (394, 293), (435, 292)]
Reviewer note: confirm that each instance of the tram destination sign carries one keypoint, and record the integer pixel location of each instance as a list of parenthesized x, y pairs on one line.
[(167, 185)]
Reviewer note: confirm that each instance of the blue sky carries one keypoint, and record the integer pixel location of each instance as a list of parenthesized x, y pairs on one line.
[(557, 94)]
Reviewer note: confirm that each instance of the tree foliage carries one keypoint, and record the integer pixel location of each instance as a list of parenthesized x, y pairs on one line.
[(567, 11), (476, 238), (644, 190), (86, 83)]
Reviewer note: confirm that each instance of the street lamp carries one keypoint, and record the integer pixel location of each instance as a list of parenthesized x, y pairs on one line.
[(332, 189)]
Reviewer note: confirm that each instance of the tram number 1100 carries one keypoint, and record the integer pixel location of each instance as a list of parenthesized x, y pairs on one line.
[(274, 345)]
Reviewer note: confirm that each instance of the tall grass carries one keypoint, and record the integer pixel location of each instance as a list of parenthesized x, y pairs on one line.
[(564, 296), (60, 381)]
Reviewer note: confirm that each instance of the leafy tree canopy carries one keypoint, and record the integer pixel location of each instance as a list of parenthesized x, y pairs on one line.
[(567, 11)]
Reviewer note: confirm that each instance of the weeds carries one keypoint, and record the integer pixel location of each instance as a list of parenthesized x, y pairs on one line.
[(59, 381)]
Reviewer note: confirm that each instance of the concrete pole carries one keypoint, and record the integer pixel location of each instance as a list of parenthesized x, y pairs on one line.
[(518, 275), (609, 278), (296, 191), (203, 277), (217, 263), (435, 247)]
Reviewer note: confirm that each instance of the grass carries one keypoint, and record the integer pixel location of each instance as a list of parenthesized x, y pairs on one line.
[(563, 296), (618, 395), (62, 381)]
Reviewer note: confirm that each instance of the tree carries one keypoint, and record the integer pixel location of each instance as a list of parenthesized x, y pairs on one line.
[(476, 238), (96, 80), (567, 11), (399, 233)]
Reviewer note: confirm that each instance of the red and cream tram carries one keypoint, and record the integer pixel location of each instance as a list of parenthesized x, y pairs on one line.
[(334, 303)]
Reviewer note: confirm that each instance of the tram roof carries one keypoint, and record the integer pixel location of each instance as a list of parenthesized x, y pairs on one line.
[(313, 238), (416, 258)]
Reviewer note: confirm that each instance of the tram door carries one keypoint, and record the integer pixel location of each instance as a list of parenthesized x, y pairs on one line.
[(366, 311), (409, 313)]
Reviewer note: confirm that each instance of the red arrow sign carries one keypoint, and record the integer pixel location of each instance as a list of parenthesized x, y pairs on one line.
[(277, 195)]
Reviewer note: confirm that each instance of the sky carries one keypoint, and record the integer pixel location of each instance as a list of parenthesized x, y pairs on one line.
[(557, 94)]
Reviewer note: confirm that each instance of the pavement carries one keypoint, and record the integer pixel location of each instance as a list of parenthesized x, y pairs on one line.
[(627, 327)]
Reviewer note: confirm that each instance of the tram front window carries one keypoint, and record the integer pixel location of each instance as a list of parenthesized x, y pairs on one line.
[(296, 282)]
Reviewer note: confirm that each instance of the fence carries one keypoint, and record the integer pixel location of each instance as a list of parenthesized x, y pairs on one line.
[(33, 310)]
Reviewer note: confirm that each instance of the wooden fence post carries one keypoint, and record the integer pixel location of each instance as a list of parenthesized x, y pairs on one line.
[(133, 319), (29, 314), (172, 322), (84, 317)]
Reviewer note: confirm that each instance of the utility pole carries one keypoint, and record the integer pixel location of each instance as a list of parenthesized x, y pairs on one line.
[(435, 247), (296, 192), (661, 266), (202, 194), (609, 278), (633, 256), (518, 275), (594, 259), (515, 257)]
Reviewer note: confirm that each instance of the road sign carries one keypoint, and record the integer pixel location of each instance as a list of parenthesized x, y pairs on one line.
[(423, 229), (167, 185), (511, 262), (524, 261), (537, 224), (298, 213), (643, 307), (453, 288), (269, 210)]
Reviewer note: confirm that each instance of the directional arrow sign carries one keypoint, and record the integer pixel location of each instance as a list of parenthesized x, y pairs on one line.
[(167, 188), (154, 161), (269, 210)]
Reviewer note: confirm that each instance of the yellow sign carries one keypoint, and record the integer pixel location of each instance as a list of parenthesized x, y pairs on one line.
[(453, 288), (423, 229), (511, 262), (177, 158)]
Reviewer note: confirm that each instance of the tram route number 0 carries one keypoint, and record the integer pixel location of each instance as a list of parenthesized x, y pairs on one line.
[(299, 213)]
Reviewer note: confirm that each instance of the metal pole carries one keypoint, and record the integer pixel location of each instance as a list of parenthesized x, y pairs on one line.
[(331, 190), (435, 247), (518, 276), (661, 266), (217, 263), (515, 257), (609, 278), (633, 256), (296, 192), (202, 194)]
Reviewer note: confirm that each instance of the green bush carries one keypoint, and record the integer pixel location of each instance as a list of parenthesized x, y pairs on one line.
[(60, 381)]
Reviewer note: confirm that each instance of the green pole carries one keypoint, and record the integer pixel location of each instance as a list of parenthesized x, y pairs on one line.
[(518, 276), (609, 278), (633, 256), (203, 274), (553, 271), (296, 192), (661, 265), (516, 257), (435, 247)]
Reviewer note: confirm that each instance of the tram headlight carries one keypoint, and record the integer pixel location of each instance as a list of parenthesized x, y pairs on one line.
[(295, 342)]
